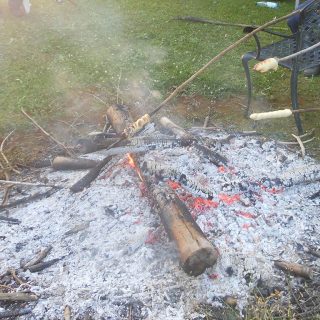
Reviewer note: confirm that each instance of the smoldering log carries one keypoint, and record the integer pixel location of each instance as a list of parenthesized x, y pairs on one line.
[(195, 251), (67, 163), (17, 296), (295, 269), (212, 156)]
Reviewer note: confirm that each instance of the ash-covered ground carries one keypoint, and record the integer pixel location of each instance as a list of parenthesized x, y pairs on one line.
[(116, 260)]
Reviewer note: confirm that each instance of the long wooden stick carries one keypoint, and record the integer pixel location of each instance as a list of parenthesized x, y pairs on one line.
[(218, 22), (94, 172), (220, 55)]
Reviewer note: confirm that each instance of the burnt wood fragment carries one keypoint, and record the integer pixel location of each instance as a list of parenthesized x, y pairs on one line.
[(14, 313), (295, 269), (212, 156)]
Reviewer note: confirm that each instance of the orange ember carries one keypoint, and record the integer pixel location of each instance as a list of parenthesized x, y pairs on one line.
[(229, 199), (173, 185), (201, 204), (131, 161)]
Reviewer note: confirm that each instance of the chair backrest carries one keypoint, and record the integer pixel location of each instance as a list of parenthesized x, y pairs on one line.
[(309, 33)]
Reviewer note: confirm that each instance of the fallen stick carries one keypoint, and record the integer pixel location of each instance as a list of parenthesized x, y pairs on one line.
[(38, 258), (214, 157), (47, 133), (3, 154), (30, 184), (14, 313), (65, 163), (43, 265), (295, 269), (18, 296), (95, 171), (10, 220)]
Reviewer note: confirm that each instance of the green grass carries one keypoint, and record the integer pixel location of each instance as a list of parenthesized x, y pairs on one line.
[(61, 48)]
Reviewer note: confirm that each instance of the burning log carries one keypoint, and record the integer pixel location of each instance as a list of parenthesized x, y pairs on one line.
[(295, 269), (195, 251), (212, 156), (66, 163)]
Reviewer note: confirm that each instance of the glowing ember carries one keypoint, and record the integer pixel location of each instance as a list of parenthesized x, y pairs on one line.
[(173, 185), (229, 199), (201, 204), (245, 214)]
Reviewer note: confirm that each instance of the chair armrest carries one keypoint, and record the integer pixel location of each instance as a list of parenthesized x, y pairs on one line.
[(270, 31)]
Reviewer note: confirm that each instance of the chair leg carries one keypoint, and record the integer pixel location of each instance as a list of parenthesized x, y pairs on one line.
[(245, 62), (294, 99)]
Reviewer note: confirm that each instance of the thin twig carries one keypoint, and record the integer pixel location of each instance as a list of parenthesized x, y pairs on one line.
[(294, 142), (303, 149), (118, 86), (47, 134), (3, 154), (15, 277), (21, 183)]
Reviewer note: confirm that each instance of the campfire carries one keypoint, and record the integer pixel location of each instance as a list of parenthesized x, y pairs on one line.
[(167, 219)]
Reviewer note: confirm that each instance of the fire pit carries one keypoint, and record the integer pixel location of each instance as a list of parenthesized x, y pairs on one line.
[(114, 259)]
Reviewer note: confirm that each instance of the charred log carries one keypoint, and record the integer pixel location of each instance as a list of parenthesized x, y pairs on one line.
[(66, 163)]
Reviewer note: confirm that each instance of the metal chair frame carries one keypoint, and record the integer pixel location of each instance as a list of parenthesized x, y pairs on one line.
[(307, 35)]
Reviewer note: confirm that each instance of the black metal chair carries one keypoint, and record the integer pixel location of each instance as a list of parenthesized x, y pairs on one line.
[(308, 34)]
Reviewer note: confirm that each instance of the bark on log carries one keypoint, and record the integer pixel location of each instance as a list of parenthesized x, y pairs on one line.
[(17, 296), (214, 157), (195, 251), (66, 163)]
